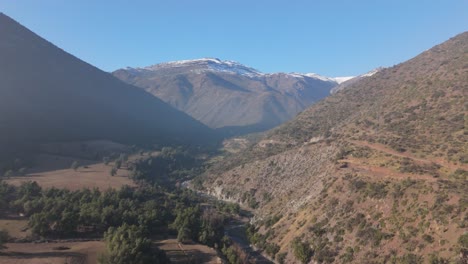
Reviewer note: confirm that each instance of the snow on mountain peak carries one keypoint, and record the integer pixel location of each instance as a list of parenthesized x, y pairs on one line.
[(340, 80), (207, 64), (372, 72), (320, 77), (228, 67)]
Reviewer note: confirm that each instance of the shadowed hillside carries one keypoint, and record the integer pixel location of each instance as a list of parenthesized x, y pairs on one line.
[(47, 94)]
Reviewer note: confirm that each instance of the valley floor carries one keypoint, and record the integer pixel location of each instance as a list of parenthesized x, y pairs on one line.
[(52, 253)]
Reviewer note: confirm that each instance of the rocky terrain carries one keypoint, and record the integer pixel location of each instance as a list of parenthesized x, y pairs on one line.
[(375, 173)]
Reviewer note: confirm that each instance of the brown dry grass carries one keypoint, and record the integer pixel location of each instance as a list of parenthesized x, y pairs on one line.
[(382, 148), (52, 167), (89, 176), (17, 228), (95, 176), (44, 253), (185, 253), (384, 173)]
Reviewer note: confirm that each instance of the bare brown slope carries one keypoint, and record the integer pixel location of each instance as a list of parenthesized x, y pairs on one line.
[(421, 99), (47, 94), (418, 105), (373, 174), (233, 97)]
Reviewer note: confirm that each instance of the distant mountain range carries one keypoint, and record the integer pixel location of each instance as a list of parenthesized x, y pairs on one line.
[(228, 95), (47, 94)]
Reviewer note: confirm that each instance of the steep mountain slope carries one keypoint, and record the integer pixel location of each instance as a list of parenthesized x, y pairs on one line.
[(47, 94), (229, 95), (376, 173)]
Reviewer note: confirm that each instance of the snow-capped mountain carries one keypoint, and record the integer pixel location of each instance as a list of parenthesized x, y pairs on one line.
[(345, 83), (202, 65), (225, 66), (340, 80), (228, 94)]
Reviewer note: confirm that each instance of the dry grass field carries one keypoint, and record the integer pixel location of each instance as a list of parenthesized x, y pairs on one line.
[(52, 168), (188, 253), (89, 251), (49, 253), (50, 174), (17, 227)]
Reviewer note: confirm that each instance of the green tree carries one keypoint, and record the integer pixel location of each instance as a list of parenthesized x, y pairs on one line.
[(75, 165), (106, 160), (3, 238), (118, 163), (29, 190), (113, 171), (123, 157), (8, 174), (463, 244), (212, 227), (68, 222), (22, 171), (271, 249), (281, 257), (302, 250), (39, 224), (187, 223), (7, 195), (235, 254), (184, 234), (129, 244)]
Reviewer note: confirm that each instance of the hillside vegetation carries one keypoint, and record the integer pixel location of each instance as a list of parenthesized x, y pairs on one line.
[(376, 173)]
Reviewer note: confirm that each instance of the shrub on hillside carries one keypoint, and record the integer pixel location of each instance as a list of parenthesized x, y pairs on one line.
[(3, 238), (302, 250)]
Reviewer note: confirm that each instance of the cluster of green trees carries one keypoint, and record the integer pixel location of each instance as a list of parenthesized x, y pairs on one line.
[(203, 226), (129, 217), (126, 218), (206, 226), (3, 238), (170, 166), (131, 244), (234, 252), (15, 167), (63, 213)]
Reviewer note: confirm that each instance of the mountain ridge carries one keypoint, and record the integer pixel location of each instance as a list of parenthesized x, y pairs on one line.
[(230, 66), (227, 95)]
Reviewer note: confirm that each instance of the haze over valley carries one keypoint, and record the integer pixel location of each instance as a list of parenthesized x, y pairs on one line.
[(211, 160)]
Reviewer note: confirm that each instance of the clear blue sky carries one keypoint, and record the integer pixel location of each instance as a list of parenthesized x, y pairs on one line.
[(329, 37)]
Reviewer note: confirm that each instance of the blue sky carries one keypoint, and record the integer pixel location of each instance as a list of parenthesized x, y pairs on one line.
[(332, 38)]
